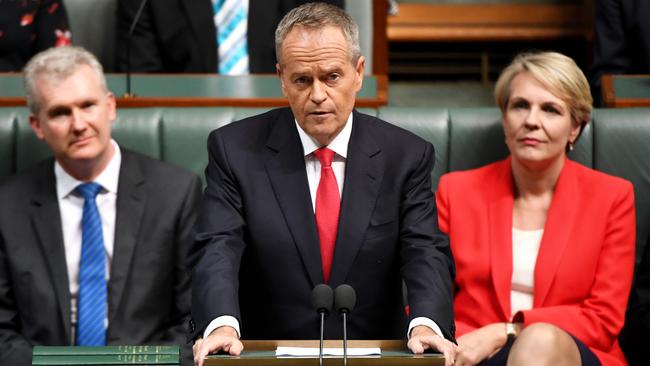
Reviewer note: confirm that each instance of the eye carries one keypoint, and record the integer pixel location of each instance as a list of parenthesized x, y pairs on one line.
[(301, 80), (87, 105), (58, 112), (519, 104), (333, 77), (550, 109)]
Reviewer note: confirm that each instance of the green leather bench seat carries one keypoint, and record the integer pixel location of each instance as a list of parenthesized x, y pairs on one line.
[(617, 142)]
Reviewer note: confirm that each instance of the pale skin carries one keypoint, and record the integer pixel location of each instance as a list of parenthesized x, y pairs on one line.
[(74, 119), (538, 126), (321, 82)]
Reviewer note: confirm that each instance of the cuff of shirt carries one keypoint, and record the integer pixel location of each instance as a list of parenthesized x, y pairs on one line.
[(426, 322), (221, 321)]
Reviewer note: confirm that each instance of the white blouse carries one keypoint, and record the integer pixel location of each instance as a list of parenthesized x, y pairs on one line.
[(525, 247)]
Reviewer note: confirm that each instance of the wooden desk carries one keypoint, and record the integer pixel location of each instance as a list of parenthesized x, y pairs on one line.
[(488, 22), (624, 91), (199, 90), (262, 353)]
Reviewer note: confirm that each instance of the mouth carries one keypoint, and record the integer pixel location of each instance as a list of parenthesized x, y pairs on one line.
[(319, 113), (81, 140), (530, 141)]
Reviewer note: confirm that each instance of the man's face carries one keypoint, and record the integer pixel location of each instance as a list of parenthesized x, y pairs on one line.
[(319, 80), (75, 118)]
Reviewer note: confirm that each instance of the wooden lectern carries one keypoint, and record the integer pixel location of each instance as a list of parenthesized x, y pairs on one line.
[(262, 353)]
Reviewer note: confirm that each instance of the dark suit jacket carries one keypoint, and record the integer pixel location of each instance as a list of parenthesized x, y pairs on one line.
[(180, 35), (635, 334), (256, 254), (584, 266), (149, 290), (622, 40)]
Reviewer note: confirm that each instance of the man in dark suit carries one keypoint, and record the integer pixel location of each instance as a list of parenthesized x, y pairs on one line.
[(622, 41), (142, 230), (276, 221), (181, 36)]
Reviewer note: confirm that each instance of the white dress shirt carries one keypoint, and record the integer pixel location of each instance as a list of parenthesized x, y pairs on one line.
[(313, 168), (71, 210)]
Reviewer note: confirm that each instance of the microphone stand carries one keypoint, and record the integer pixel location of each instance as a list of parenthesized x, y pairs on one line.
[(345, 299), (345, 338), (322, 335), (137, 16), (322, 297)]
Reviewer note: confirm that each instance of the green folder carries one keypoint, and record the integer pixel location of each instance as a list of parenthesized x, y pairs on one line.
[(115, 359), (105, 350)]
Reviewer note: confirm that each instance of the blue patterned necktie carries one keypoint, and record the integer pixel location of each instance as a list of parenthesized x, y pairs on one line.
[(231, 20), (91, 330)]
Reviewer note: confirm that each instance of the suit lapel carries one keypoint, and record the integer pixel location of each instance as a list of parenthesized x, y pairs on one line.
[(557, 231), (363, 176), (285, 165), (46, 219), (500, 237), (131, 199)]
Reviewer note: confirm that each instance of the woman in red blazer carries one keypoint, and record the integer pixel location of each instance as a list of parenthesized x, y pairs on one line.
[(544, 246)]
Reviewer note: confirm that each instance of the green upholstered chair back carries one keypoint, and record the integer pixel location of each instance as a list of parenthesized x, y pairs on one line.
[(617, 142)]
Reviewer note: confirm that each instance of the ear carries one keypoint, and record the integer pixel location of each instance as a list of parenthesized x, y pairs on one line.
[(278, 71), (111, 104), (575, 131), (35, 124), (359, 71)]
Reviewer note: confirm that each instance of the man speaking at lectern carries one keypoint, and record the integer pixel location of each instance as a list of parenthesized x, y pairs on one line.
[(319, 193)]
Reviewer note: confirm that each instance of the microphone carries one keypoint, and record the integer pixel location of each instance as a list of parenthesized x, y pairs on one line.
[(345, 299), (137, 16), (322, 298)]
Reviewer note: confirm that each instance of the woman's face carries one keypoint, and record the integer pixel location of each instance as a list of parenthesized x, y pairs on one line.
[(537, 124)]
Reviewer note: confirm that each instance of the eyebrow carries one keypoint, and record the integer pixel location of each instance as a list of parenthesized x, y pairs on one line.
[(65, 108), (519, 98), (57, 110)]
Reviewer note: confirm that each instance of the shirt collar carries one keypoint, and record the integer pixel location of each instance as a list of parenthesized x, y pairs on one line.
[(339, 145), (108, 178)]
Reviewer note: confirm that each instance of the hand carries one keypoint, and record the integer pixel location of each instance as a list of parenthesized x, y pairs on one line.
[(221, 339), (480, 344), (423, 338)]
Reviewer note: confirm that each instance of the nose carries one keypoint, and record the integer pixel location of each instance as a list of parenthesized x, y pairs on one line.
[(318, 93), (532, 118), (78, 120)]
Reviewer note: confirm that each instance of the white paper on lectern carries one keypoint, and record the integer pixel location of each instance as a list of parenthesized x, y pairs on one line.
[(309, 351)]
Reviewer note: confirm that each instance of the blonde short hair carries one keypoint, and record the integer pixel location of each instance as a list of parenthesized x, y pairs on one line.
[(54, 65), (558, 73)]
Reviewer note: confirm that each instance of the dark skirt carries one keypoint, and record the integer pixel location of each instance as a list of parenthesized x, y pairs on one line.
[(500, 358)]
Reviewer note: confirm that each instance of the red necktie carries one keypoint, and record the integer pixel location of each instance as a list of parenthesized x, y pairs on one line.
[(328, 204)]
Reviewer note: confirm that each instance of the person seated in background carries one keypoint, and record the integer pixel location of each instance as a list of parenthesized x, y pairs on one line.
[(636, 332), (92, 241), (29, 27), (225, 36), (544, 246), (621, 41)]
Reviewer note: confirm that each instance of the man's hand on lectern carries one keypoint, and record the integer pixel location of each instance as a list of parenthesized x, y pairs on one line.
[(423, 338), (223, 339)]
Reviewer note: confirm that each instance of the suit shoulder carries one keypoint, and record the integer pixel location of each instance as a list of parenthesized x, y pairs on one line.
[(157, 169), (244, 127), (592, 179), (389, 130), (463, 179), (27, 179)]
